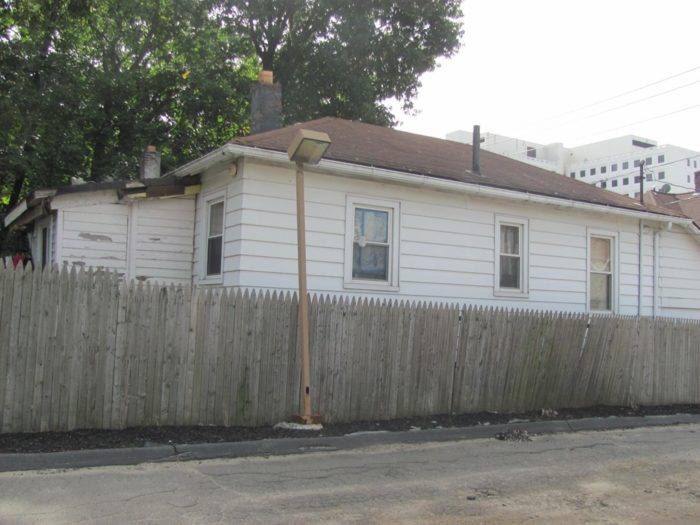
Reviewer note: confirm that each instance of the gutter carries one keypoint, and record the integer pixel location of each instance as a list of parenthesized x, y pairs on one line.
[(234, 151), (211, 159)]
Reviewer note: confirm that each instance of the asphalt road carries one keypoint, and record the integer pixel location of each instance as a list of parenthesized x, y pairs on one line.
[(649, 475)]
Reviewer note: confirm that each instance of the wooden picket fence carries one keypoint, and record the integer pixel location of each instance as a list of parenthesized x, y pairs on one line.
[(86, 350)]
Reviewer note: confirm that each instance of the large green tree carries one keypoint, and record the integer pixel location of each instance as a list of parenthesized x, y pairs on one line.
[(85, 85), (347, 59)]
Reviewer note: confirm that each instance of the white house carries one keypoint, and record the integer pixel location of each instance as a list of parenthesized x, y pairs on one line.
[(612, 164), (140, 229), (391, 214)]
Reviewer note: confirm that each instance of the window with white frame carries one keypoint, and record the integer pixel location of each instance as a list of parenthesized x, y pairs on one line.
[(601, 273), (511, 277), (214, 237), (371, 258)]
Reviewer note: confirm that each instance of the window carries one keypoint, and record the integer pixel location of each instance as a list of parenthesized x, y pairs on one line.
[(695, 164), (511, 274), (371, 242), (614, 183), (531, 152), (601, 273), (613, 167), (647, 161), (625, 165), (662, 175), (625, 181), (661, 158), (582, 173), (648, 177), (214, 237), (603, 184), (637, 179), (637, 163), (592, 171), (603, 169), (572, 174)]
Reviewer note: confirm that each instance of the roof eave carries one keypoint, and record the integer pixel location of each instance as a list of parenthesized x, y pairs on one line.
[(417, 180), (17, 216), (203, 163)]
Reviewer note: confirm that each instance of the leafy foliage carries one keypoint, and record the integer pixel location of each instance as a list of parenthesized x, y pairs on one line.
[(346, 59), (85, 85)]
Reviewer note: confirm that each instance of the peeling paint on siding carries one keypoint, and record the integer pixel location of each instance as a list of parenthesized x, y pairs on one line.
[(95, 237)]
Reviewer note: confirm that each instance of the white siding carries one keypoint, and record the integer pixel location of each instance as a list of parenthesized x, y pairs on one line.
[(446, 249), (35, 240), (95, 235), (150, 239), (217, 180), (679, 285), (163, 236)]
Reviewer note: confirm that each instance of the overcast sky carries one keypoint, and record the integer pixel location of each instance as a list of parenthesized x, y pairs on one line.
[(537, 70)]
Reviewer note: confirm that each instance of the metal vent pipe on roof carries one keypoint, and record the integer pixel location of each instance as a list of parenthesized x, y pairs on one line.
[(476, 146)]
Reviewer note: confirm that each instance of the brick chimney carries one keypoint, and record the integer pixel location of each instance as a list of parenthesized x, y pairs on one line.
[(150, 163), (266, 104)]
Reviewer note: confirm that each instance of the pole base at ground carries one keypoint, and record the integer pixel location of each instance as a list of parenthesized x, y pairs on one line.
[(313, 419)]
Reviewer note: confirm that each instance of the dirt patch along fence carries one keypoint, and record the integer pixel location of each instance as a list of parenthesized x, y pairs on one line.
[(85, 350)]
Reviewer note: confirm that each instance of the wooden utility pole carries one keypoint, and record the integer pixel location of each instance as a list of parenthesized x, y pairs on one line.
[(306, 416), (641, 181)]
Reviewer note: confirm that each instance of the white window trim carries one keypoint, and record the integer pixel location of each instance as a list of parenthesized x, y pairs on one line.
[(614, 237), (207, 200), (524, 224), (394, 209)]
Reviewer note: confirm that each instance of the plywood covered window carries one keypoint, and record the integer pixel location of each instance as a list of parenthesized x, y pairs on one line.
[(601, 273), (511, 275), (371, 260), (215, 237)]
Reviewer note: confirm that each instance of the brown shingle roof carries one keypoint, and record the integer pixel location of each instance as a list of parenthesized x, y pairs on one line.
[(370, 145), (687, 204)]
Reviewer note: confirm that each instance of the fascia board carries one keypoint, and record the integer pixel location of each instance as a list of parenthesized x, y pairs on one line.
[(415, 180)]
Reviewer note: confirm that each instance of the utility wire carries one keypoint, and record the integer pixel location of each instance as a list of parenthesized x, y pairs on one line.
[(656, 117), (635, 171), (636, 101), (614, 97), (634, 90)]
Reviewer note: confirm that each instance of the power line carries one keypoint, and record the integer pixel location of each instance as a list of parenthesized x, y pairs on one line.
[(676, 185), (653, 118), (635, 89), (637, 101), (614, 97), (656, 117), (635, 171)]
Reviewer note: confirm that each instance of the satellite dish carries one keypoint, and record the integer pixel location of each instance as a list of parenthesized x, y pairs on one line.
[(665, 188)]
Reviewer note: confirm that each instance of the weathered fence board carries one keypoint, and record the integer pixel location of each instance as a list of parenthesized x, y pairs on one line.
[(85, 350)]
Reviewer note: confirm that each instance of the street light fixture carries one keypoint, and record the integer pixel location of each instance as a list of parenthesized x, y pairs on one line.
[(307, 147)]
